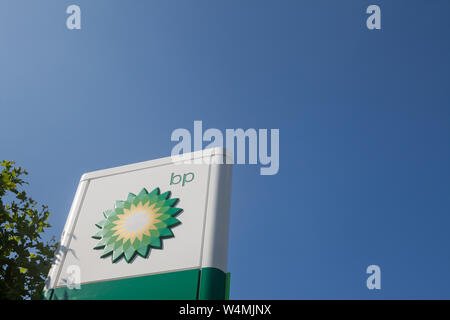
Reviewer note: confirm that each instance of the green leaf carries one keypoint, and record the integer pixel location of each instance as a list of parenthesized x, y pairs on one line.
[(155, 192), (155, 242), (142, 194), (143, 250), (171, 221), (129, 253), (131, 197), (166, 232)]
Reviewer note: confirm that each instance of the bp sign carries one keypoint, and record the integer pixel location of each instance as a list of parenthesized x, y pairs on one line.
[(151, 230)]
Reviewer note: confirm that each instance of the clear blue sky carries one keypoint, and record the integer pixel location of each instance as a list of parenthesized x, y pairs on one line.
[(364, 119)]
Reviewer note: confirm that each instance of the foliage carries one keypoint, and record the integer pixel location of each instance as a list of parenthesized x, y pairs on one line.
[(25, 258)]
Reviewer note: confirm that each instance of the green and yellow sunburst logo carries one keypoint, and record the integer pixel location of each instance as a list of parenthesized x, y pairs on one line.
[(137, 224)]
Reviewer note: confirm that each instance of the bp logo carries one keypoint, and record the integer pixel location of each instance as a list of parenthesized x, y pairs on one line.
[(137, 224)]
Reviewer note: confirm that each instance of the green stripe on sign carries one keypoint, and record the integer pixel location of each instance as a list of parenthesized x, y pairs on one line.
[(212, 284), (179, 285)]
